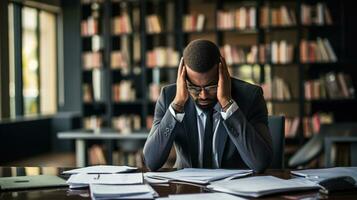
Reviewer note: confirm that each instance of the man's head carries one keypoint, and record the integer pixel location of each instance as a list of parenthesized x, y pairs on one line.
[(201, 58)]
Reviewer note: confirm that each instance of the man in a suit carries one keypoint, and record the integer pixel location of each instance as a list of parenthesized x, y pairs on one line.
[(213, 120)]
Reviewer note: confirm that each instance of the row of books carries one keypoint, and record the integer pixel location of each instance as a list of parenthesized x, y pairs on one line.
[(311, 125), (96, 156), (87, 93), (239, 55), (277, 52), (92, 60), (282, 16), (122, 24), (330, 86), (124, 91), (153, 24), (317, 51), (154, 91), (192, 22), (119, 60), (94, 92), (127, 123), (90, 26), (318, 14), (93, 122), (277, 89), (162, 57), (240, 18)]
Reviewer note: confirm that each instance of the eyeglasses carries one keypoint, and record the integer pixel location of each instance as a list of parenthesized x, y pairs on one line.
[(195, 90)]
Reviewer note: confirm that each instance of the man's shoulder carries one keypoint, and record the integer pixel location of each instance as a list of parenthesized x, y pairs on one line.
[(169, 87), (169, 91)]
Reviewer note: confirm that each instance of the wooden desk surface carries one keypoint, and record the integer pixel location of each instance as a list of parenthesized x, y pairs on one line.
[(172, 188)]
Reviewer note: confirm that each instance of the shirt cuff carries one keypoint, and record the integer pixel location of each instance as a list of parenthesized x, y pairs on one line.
[(177, 116), (229, 111)]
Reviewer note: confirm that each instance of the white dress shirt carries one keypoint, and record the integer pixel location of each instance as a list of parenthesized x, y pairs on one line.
[(201, 123)]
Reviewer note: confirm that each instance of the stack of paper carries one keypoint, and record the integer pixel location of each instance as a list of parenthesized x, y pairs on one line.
[(198, 176), (101, 169), (202, 196), (262, 185), (84, 180), (101, 192), (317, 175)]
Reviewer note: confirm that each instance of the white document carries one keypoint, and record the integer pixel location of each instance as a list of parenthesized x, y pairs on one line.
[(204, 196), (318, 175), (101, 169), (155, 181), (199, 176), (83, 180), (262, 185), (101, 192)]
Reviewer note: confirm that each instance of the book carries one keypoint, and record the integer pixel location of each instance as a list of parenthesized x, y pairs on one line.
[(91, 60), (318, 14), (317, 51), (127, 123), (153, 24), (98, 85), (281, 16), (96, 155)]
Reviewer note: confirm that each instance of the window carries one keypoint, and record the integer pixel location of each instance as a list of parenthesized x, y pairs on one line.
[(33, 61)]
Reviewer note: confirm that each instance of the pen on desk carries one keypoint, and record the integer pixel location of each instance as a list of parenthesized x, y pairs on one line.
[(97, 177)]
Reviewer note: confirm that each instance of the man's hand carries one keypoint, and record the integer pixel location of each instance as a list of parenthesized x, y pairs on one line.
[(181, 88), (224, 84)]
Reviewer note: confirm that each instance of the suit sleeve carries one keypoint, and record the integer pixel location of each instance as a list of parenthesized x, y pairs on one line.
[(251, 135), (161, 137)]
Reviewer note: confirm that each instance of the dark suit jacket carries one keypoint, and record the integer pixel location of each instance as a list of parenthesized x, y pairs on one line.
[(244, 139)]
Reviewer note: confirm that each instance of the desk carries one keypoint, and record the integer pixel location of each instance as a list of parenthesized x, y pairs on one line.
[(172, 188), (330, 140), (108, 135)]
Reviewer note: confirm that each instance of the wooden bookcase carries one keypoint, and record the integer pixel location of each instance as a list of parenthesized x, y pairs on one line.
[(171, 15)]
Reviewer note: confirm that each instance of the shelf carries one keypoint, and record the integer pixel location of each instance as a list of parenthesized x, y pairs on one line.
[(161, 33), (279, 28), (239, 31), (296, 27), (128, 103), (161, 68), (124, 34), (256, 36), (262, 64), (283, 101), (319, 26), (340, 101), (208, 31), (94, 104)]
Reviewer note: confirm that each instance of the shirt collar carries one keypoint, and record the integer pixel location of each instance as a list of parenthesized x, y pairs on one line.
[(217, 108)]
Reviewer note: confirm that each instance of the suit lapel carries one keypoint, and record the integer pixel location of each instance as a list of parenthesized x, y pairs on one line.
[(192, 131)]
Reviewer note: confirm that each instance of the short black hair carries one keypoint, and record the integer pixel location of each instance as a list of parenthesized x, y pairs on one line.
[(201, 55)]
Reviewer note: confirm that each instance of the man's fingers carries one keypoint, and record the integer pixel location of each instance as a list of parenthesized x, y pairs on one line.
[(220, 71), (180, 66), (183, 73), (225, 68)]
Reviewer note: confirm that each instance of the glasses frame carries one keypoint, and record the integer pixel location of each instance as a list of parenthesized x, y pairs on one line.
[(196, 90)]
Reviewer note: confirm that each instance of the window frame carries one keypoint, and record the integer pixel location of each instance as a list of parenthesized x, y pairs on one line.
[(17, 31)]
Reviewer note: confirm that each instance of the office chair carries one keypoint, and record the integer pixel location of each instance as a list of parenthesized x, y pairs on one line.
[(277, 129), (314, 147)]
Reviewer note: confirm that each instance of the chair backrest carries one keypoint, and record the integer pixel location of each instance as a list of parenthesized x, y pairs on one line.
[(277, 131), (315, 146)]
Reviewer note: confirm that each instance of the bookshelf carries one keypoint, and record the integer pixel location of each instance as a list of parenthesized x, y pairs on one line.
[(136, 46)]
